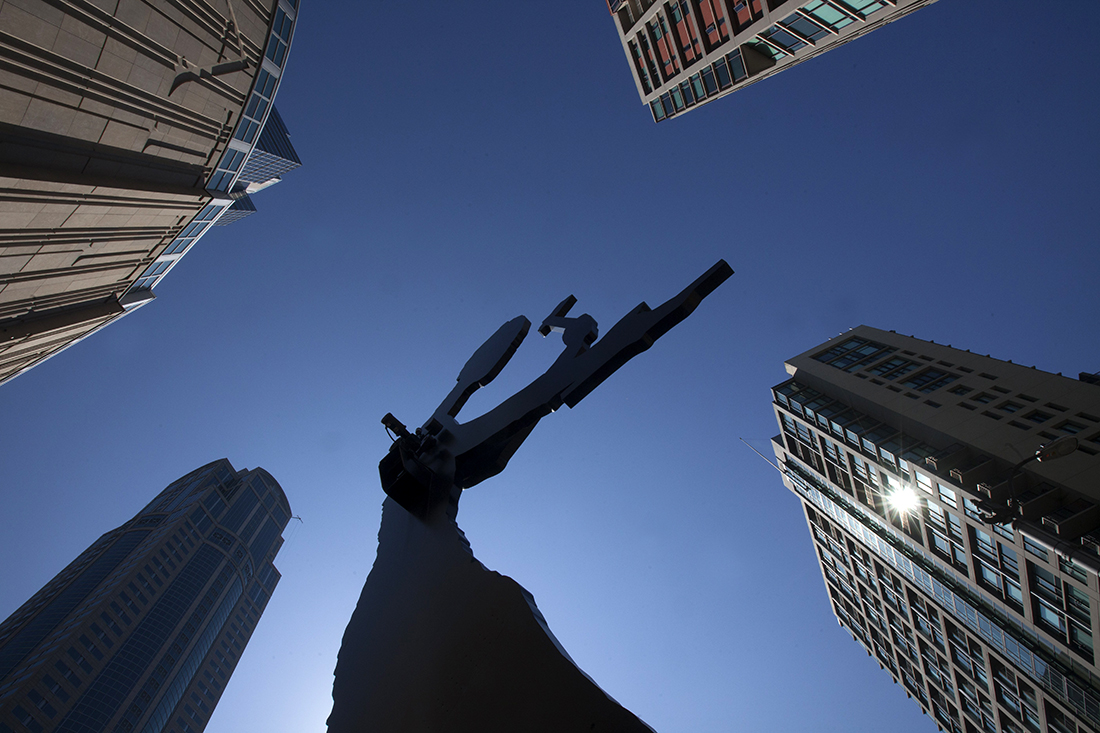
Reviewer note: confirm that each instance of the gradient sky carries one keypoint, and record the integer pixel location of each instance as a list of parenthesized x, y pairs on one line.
[(467, 163)]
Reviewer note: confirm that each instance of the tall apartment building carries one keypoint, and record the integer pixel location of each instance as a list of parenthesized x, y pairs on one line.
[(125, 130), (684, 53), (142, 631), (966, 568)]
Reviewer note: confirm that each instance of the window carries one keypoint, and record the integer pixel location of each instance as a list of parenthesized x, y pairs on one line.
[(782, 39), (947, 496), (1010, 406), (803, 27), (960, 390), (1035, 548), (1052, 618), (697, 87), (1038, 416), (721, 72), (67, 674), (989, 575), (826, 14), (709, 82), (737, 66), (983, 398), (1069, 427), (26, 719), (1073, 570)]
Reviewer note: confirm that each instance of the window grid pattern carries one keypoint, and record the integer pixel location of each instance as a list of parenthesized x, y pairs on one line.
[(659, 56)]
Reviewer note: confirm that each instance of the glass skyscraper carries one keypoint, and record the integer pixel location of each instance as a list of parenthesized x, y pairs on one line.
[(142, 631)]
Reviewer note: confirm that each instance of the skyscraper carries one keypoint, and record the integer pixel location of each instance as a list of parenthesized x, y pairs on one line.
[(124, 130), (142, 631), (963, 565), (684, 53)]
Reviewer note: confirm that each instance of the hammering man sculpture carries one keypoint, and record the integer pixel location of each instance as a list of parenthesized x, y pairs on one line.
[(438, 642)]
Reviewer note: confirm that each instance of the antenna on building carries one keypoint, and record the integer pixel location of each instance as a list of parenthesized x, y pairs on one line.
[(777, 468)]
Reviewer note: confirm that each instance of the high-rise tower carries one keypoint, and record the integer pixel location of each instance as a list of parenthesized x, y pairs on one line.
[(684, 53), (142, 631), (125, 126), (962, 562)]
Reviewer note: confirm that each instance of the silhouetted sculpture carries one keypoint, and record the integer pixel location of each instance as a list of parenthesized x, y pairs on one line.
[(437, 641)]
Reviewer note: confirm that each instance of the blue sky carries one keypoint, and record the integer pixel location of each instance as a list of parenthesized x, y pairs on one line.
[(464, 165)]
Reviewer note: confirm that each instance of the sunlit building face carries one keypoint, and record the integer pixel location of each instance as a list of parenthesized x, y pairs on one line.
[(966, 567), (689, 52)]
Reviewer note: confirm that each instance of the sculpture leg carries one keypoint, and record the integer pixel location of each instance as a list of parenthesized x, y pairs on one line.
[(440, 643)]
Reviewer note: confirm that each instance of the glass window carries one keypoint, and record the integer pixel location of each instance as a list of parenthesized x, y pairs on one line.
[(723, 74), (689, 95), (1051, 617), (984, 545), (783, 39), (1038, 416), (709, 82), (947, 496), (1081, 638), (1073, 570), (989, 575), (1035, 548), (677, 98), (737, 66), (928, 380), (697, 86), (1077, 602), (804, 27), (864, 7), (827, 14)]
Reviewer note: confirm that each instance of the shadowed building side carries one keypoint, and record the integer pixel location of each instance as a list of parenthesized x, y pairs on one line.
[(142, 631)]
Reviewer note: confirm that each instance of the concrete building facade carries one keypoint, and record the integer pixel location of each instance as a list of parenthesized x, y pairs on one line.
[(124, 126), (142, 631), (966, 568), (683, 53)]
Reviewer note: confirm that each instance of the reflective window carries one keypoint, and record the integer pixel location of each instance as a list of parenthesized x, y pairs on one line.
[(827, 14), (864, 7), (804, 27), (784, 40)]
